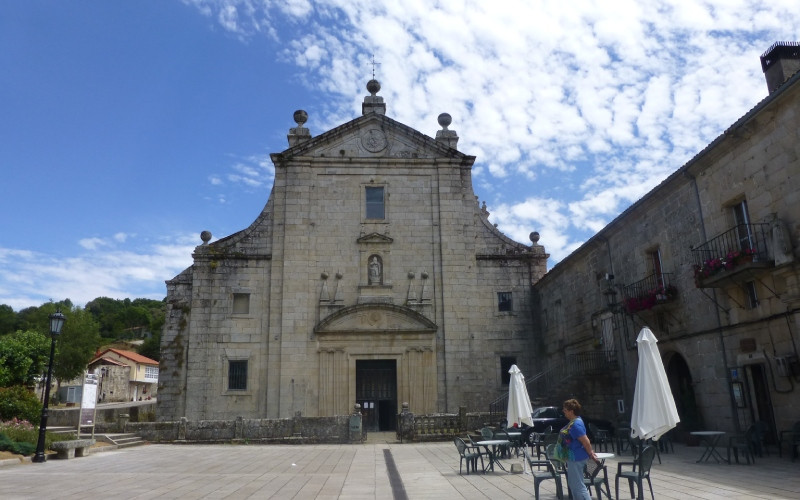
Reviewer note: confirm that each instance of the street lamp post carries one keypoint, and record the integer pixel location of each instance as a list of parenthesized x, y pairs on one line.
[(56, 323)]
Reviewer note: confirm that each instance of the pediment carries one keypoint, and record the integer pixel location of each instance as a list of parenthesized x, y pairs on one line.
[(374, 238), (373, 136), (372, 318)]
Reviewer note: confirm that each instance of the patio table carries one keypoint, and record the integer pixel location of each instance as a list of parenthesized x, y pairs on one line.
[(492, 446), (710, 439)]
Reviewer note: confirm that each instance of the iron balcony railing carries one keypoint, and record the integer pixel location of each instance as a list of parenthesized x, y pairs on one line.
[(649, 292), (742, 244)]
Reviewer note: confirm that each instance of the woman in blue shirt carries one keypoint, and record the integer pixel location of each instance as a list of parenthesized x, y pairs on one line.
[(579, 449)]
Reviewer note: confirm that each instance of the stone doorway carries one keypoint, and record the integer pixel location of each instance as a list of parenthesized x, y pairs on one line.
[(680, 382), (376, 392)]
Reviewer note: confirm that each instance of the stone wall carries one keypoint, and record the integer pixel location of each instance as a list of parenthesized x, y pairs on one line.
[(297, 430), (106, 418)]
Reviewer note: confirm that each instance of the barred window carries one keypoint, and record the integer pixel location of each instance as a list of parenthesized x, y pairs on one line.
[(504, 301), (237, 375)]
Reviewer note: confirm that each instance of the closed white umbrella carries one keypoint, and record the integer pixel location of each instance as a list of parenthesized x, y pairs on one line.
[(654, 411), (519, 403)]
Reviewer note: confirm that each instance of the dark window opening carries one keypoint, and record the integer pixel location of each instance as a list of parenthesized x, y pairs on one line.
[(752, 295), (237, 375), (505, 365), (504, 301)]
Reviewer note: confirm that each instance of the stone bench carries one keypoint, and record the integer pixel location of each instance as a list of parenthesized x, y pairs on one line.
[(73, 448)]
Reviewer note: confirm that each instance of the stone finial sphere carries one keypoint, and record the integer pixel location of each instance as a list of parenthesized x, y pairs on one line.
[(534, 237), (205, 236), (445, 120), (373, 86), (300, 117)]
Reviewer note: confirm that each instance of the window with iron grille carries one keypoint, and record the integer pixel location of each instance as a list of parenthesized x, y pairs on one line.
[(237, 375), (504, 301)]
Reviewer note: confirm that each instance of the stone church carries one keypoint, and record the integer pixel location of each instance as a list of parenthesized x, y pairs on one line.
[(371, 276)]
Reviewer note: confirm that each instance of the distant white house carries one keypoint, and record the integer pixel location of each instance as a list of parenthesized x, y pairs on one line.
[(124, 375)]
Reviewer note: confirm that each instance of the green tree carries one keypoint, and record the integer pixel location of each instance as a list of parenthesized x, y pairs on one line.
[(151, 347), (106, 311), (8, 320), (23, 357), (76, 345)]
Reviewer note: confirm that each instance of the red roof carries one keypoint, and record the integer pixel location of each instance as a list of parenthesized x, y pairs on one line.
[(133, 356)]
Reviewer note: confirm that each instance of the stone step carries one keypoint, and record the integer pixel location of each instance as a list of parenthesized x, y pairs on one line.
[(122, 440)]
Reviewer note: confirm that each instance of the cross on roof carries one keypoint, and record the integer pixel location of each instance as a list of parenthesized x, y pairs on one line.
[(373, 65)]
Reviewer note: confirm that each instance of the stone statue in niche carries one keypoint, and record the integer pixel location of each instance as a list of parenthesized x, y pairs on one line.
[(375, 272)]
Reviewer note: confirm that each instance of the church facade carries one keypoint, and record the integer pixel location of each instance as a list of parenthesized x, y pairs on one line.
[(371, 276)]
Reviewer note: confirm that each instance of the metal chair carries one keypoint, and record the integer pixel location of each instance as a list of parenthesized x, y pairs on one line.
[(468, 453), (640, 471)]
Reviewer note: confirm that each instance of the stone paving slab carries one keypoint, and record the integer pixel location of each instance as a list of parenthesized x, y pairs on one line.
[(359, 471)]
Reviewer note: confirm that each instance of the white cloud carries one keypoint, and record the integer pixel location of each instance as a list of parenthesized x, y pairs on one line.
[(578, 111), (31, 278)]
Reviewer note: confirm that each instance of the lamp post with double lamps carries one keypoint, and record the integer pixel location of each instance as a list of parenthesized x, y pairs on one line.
[(56, 323)]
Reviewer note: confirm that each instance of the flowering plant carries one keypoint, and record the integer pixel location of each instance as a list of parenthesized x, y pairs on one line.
[(731, 260), (650, 298)]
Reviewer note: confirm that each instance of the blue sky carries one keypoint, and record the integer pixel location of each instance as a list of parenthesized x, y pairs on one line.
[(129, 127)]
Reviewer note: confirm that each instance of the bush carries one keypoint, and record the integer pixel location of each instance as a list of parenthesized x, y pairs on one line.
[(21, 437), (24, 448), (20, 403)]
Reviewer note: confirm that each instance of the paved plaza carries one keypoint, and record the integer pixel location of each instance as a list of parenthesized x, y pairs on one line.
[(381, 468)]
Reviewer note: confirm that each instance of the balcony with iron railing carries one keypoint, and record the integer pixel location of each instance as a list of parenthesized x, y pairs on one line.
[(737, 255), (648, 293)]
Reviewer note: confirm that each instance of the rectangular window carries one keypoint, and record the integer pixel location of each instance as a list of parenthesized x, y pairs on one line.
[(505, 365), (237, 375), (655, 262), (504, 301), (742, 219), (750, 293), (375, 203), (241, 303), (151, 372)]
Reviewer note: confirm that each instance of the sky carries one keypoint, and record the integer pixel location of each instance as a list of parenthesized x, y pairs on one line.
[(127, 128)]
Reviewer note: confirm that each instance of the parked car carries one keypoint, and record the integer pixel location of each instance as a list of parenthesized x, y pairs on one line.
[(548, 419)]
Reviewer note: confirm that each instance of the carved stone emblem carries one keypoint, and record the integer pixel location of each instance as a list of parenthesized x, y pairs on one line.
[(373, 140)]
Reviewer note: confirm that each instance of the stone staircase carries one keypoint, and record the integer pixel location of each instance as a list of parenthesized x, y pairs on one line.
[(121, 440)]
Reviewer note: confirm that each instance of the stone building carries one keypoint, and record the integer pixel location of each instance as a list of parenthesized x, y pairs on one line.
[(707, 260), (370, 276), (124, 375)]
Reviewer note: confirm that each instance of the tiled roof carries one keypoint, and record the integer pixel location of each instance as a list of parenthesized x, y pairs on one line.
[(133, 356)]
